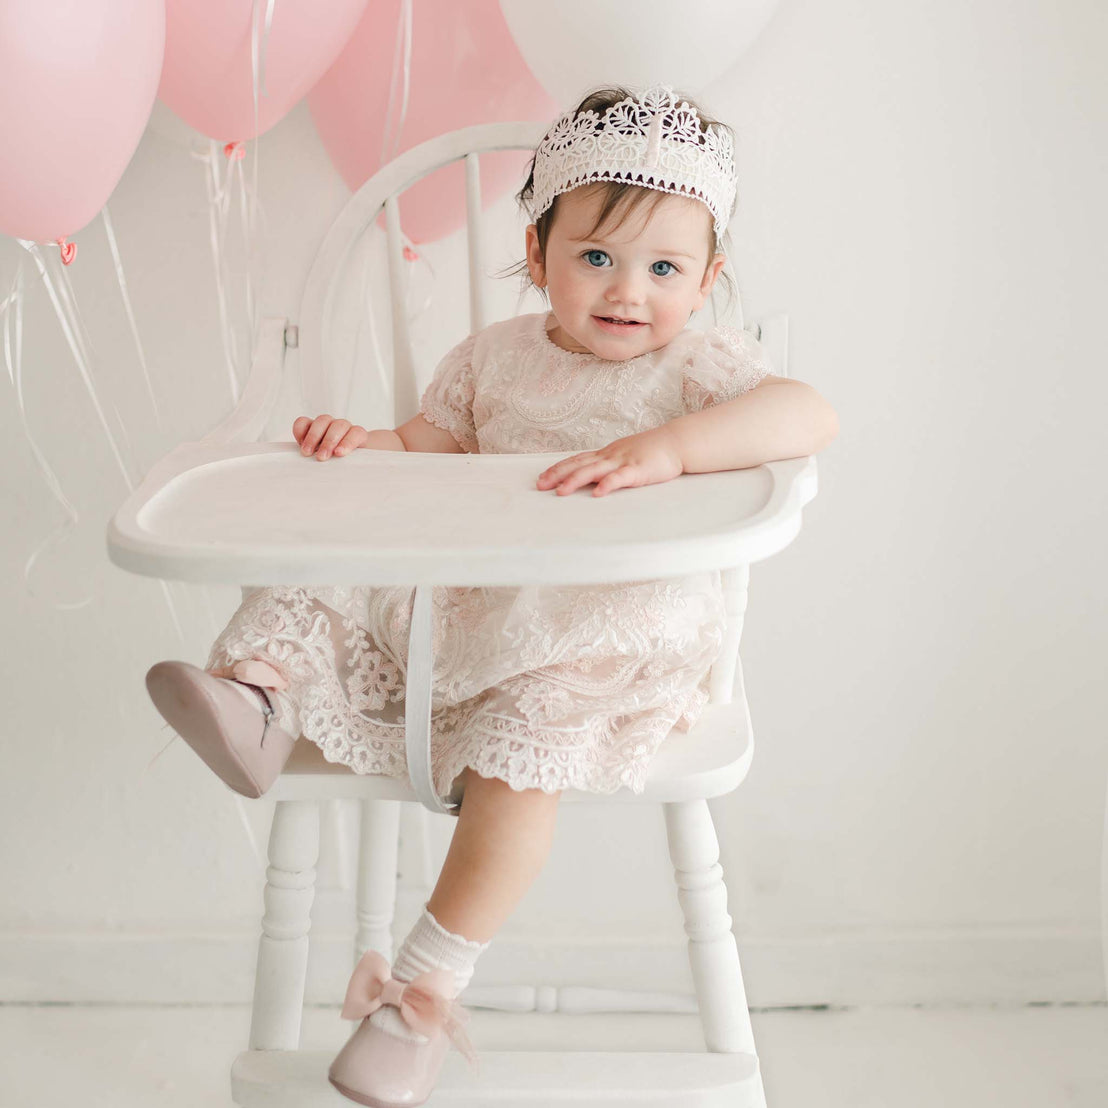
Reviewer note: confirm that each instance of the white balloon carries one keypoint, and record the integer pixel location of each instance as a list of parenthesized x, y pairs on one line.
[(574, 45)]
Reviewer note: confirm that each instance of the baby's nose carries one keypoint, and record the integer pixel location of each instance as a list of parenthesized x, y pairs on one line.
[(626, 288)]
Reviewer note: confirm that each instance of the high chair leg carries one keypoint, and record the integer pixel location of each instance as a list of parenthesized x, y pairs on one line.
[(713, 956), (283, 946), (379, 840)]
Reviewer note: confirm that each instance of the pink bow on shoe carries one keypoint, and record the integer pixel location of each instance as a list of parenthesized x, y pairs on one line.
[(252, 671), (423, 1003)]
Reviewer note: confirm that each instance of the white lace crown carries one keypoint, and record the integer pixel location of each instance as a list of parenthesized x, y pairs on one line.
[(655, 142)]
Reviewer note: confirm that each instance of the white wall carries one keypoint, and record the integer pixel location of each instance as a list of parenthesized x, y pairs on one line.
[(920, 188)]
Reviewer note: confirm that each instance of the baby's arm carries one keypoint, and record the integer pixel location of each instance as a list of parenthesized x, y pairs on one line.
[(418, 434), (324, 436), (778, 418)]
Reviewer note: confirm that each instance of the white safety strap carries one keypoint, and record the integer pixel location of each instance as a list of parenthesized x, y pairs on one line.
[(417, 703)]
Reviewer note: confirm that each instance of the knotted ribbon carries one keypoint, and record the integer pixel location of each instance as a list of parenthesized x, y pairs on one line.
[(424, 1003)]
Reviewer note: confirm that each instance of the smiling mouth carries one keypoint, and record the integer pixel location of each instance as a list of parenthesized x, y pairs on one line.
[(625, 322)]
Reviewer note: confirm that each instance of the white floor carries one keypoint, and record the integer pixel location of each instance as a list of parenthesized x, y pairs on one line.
[(179, 1057)]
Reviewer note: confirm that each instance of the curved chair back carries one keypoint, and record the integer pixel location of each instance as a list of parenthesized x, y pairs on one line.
[(380, 194)]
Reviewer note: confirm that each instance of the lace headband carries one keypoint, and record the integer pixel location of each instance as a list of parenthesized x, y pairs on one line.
[(655, 142)]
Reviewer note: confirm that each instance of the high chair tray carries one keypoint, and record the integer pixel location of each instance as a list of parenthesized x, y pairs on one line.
[(263, 514)]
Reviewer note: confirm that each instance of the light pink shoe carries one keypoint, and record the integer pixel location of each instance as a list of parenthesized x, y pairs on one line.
[(240, 743), (379, 1069)]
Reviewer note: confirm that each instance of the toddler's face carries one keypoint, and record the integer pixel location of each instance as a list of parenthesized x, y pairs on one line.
[(653, 271)]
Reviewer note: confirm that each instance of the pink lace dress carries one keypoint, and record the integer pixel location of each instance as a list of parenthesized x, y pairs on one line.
[(543, 687)]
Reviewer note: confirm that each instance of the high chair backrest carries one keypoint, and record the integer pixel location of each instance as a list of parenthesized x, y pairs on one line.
[(380, 194)]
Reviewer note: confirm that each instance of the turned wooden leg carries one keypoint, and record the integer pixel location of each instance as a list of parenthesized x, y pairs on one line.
[(283, 946), (714, 958), (377, 857)]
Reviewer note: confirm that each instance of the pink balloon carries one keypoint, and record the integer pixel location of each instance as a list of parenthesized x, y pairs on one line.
[(77, 82), (208, 77), (465, 69)]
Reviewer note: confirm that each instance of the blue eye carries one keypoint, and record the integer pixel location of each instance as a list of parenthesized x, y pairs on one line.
[(596, 258), (670, 268)]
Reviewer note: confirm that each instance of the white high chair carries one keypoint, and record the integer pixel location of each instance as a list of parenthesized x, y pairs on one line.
[(189, 520)]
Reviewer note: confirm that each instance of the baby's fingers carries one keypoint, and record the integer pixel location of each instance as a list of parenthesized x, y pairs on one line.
[(585, 474), (313, 434), (352, 440), (559, 470), (332, 437), (624, 477)]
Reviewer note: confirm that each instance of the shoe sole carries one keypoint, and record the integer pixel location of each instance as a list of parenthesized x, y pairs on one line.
[(192, 711), (372, 1101)]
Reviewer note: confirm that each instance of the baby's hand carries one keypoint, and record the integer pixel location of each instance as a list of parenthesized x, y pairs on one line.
[(324, 436), (648, 458)]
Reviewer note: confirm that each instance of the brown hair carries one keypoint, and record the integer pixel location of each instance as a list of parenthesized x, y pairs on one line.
[(620, 198)]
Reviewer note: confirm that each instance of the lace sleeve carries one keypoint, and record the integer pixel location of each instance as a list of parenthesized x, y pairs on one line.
[(727, 363), (448, 400)]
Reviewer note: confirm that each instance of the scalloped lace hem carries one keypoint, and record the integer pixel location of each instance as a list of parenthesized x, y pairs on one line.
[(511, 751)]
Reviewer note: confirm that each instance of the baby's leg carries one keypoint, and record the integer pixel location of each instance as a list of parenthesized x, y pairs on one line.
[(500, 844)]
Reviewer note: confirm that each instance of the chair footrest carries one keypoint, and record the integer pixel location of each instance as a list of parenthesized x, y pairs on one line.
[(546, 1079)]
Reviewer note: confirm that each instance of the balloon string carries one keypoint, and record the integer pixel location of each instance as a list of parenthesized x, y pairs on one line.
[(258, 75), (407, 11), (365, 320), (390, 141), (114, 245), (172, 740), (12, 310), (219, 200), (224, 193), (172, 605), (248, 830), (65, 307), (65, 290), (216, 623), (215, 203), (390, 145), (421, 257), (70, 327), (402, 72), (258, 67), (255, 67), (240, 809), (249, 243), (224, 213), (398, 45), (13, 359), (365, 314)]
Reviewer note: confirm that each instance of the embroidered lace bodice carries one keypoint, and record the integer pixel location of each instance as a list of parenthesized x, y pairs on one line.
[(509, 389), (544, 687)]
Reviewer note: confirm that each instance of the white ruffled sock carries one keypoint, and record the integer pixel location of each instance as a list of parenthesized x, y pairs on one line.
[(428, 946)]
